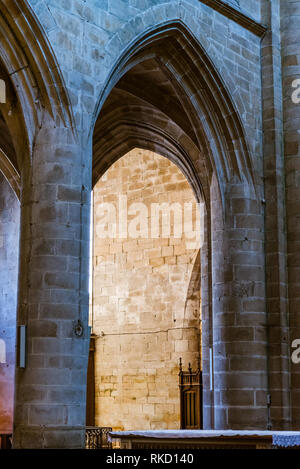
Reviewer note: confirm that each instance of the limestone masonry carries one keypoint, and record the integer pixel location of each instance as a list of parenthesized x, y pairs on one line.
[(160, 101)]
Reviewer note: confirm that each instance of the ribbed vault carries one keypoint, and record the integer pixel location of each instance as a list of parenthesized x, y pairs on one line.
[(129, 122), (165, 95)]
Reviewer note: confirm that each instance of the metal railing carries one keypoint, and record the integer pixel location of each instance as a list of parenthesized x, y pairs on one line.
[(97, 438)]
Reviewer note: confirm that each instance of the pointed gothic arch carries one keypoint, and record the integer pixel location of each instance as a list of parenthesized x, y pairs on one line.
[(212, 113), (190, 116), (32, 75)]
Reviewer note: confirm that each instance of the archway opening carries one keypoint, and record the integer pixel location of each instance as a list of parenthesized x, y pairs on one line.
[(165, 95), (149, 107), (145, 310)]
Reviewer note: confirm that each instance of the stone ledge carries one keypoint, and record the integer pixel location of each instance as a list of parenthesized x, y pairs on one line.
[(232, 13)]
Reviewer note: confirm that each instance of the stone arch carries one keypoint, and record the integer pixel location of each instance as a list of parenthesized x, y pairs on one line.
[(213, 115), (10, 173), (32, 73), (213, 133), (138, 135)]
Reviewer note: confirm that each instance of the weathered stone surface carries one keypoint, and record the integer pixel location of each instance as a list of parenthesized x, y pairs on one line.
[(291, 126), (214, 97), (147, 308)]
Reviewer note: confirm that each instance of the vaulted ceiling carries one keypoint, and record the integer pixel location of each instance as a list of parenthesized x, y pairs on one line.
[(143, 110)]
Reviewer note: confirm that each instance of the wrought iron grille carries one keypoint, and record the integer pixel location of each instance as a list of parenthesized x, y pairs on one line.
[(190, 385), (97, 438)]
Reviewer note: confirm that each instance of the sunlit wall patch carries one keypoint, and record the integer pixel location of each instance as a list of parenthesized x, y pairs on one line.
[(2, 352)]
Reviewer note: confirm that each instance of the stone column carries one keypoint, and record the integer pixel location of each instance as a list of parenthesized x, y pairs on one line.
[(239, 315), (275, 236), (290, 17), (206, 324), (50, 397)]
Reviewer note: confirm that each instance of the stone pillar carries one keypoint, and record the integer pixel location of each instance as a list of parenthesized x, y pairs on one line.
[(239, 317), (290, 17), (206, 322), (9, 255), (50, 397), (275, 236)]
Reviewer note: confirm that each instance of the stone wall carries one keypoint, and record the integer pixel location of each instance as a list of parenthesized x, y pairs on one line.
[(9, 253), (88, 39), (146, 300), (291, 112), (93, 42), (239, 118), (252, 8)]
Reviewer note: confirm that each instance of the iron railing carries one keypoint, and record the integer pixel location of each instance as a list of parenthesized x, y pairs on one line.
[(97, 438)]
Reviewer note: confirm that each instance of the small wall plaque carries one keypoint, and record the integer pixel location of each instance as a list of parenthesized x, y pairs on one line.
[(22, 349)]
